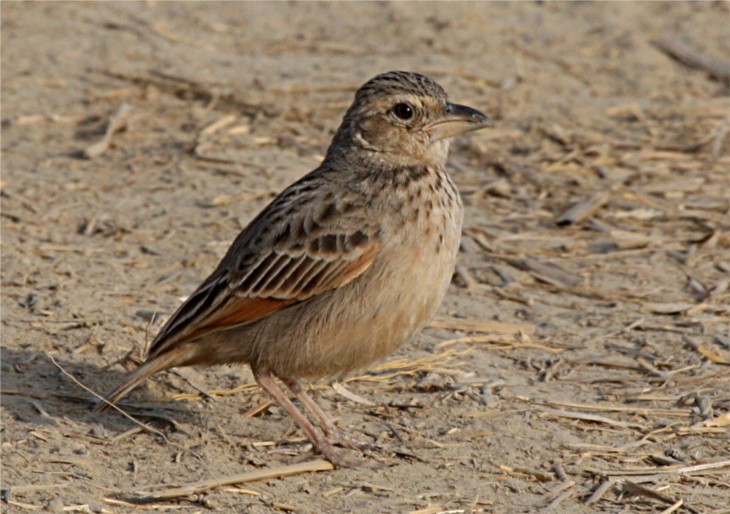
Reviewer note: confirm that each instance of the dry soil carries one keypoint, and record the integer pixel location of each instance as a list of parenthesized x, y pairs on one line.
[(580, 361)]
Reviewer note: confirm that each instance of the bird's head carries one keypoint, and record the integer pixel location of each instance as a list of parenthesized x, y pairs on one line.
[(402, 118)]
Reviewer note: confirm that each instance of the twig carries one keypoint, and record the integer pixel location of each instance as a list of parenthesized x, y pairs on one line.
[(33, 488), (475, 325), (469, 281), (583, 209), (673, 46), (701, 467), (601, 490), (99, 397), (718, 137), (342, 390), (558, 499), (547, 272), (192, 384), (249, 476), (672, 508), (633, 488), (591, 417), (501, 342), (116, 123), (664, 470), (22, 505), (639, 490), (189, 89)]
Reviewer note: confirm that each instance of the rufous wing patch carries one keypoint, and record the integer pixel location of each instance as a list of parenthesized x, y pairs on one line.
[(239, 311), (355, 268), (237, 307)]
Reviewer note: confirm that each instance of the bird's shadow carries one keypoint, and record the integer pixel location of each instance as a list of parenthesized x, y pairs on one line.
[(38, 390)]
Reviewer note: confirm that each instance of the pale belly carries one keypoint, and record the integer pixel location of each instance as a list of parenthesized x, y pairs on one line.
[(351, 327)]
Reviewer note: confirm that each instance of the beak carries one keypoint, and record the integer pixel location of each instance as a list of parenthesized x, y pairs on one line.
[(458, 119)]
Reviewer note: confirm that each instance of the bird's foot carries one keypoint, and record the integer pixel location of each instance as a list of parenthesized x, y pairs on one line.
[(337, 458), (325, 447), (341, 438)]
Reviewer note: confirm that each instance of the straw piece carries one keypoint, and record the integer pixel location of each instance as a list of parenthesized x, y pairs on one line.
[(583, 209), (475, 325), (117, 122), (248, 476)]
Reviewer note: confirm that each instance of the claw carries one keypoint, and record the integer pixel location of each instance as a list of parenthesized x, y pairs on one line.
[(342, 438)]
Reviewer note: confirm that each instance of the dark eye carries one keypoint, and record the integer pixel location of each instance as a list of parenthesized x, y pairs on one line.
[(403, 111)]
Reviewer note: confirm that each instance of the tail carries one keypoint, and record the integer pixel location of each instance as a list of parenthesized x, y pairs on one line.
[(179, 356)]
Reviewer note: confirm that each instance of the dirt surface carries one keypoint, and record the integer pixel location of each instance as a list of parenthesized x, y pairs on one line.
[(580, 361)]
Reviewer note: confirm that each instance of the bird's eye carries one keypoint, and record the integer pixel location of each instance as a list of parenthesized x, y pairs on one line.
[(403, 111)]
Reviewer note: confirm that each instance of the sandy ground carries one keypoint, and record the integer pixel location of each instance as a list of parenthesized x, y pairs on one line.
[(580, 361)]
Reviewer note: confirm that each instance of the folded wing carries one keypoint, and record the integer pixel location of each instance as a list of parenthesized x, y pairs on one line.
[(306, 242)]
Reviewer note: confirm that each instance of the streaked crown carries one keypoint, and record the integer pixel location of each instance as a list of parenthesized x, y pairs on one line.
[(400, 83)]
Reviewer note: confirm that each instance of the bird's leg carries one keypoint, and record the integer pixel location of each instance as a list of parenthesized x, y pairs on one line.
[(320, 442), (332, 432)]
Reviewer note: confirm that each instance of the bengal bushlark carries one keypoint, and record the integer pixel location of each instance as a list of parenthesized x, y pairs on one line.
[(344, 266)]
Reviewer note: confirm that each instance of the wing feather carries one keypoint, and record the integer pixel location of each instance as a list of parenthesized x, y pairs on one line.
[(305, 243)]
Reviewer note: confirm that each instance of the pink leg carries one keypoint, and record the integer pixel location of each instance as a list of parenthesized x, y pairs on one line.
[(320, 443), (332, 433)]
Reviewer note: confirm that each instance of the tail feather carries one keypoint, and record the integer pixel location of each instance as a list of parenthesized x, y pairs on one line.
[(179, 356)]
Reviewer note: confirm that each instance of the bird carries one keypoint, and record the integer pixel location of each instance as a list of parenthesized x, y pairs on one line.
[(341, 268)]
